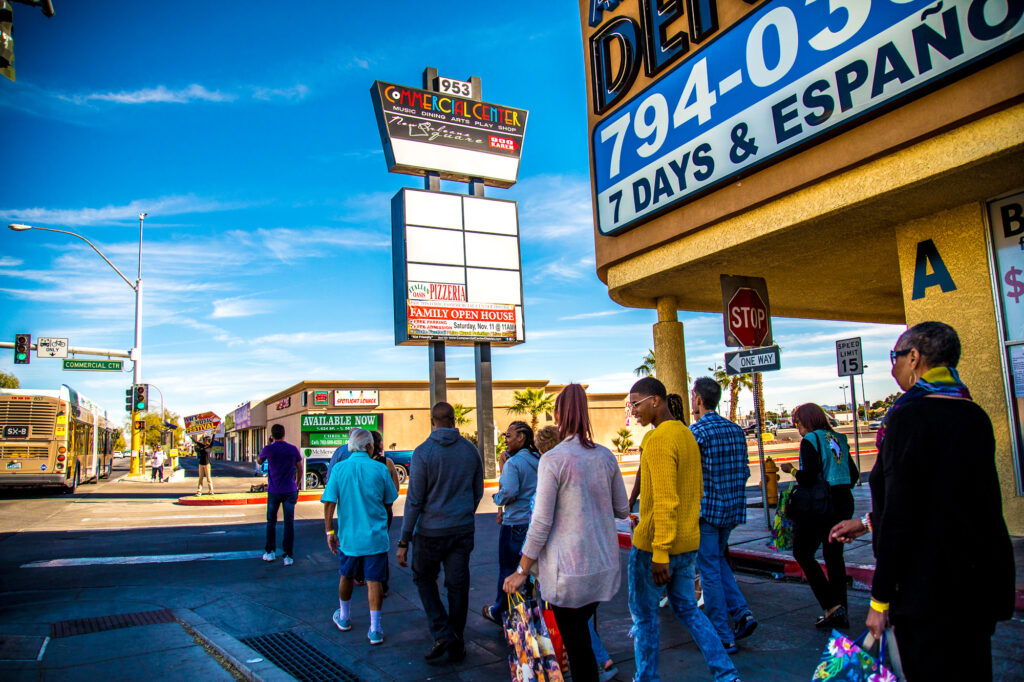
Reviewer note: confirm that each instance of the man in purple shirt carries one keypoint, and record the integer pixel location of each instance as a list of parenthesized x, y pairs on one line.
[(282, 459)]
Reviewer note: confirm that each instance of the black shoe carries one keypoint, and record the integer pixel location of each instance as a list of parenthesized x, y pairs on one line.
[(437, 651), (745, 626), (457, 652), (836, 619)]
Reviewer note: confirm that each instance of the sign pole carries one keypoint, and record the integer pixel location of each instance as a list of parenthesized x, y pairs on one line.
[(856, 430), (760, 446)]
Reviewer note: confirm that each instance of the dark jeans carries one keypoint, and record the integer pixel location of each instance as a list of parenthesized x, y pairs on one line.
[(428, 555), (510, 546), (811, 533), (274, 502), (575, 631)]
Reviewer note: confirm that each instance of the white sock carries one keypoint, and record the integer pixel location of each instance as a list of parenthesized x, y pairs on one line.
[(343, 606), (374, 621)]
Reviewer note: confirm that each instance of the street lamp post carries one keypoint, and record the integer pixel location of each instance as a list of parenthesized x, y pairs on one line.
[(864, 396), (843, 388), (136, 352)]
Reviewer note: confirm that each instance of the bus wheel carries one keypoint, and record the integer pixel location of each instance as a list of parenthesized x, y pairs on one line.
[(74, 482)]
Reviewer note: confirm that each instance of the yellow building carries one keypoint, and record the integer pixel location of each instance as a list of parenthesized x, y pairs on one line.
[(401, 411), (868, 165)]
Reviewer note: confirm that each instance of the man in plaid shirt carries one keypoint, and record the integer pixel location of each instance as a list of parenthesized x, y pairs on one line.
[(723, 455)]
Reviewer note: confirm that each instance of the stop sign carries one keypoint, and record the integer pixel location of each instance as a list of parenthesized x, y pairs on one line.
[(747, 317)]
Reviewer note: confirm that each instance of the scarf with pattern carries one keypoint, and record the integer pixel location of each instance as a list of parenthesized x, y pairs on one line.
[(936, 381)]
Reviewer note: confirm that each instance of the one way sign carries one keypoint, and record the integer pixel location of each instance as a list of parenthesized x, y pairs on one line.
[(766, 359)]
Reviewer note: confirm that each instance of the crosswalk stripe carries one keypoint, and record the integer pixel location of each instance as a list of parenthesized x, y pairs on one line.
[(151, 559), (161, 518)]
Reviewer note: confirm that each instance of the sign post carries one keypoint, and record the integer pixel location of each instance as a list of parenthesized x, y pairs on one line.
[(850, 362)]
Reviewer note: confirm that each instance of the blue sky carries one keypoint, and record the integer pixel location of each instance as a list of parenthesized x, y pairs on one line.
[(245, 131)]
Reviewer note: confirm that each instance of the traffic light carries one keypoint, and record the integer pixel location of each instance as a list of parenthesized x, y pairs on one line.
[(128, 393), (141, 397), (22, 349)]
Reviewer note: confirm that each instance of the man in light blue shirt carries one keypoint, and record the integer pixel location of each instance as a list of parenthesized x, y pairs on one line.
[(359, 488)]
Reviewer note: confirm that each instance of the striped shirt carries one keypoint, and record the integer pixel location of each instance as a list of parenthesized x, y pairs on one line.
[(723, 458)]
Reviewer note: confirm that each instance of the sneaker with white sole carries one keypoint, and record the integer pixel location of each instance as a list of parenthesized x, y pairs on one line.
[(663, 602), (375, 637), (344, 624), (269, 556), (288, 561)]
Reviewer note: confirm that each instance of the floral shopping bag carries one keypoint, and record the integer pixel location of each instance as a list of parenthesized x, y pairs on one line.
[(782, 524), (845, 660), (531, 656)]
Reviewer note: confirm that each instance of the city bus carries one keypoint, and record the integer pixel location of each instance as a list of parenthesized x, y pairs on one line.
[(53, 439)]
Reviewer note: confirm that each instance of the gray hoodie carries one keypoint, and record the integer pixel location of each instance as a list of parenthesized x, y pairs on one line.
[(446, 483)]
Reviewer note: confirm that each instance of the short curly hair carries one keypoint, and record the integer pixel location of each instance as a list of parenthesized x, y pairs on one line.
[(546, 438), (936, 341)]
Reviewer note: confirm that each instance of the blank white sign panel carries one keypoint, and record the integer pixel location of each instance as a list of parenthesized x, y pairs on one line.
[(484, 215), (442, 274), (492, 251), (493, 286), (433, 209), (426, 245)]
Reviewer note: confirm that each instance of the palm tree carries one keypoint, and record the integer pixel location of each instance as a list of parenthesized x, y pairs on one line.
[(461, 414), (734, 384), (646, 369), (624, 441), (534, 402)]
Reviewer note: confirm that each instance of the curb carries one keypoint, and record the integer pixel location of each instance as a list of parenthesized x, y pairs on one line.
[(249, 662)]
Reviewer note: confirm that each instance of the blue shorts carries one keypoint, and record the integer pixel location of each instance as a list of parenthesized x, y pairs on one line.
[(375, 566)]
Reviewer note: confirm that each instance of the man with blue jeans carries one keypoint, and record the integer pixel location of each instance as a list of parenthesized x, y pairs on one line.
[(282, 461), (723, 454), (666, 539), (360, 489)]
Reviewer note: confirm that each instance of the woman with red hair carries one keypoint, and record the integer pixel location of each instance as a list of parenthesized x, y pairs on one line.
[(572, 538)]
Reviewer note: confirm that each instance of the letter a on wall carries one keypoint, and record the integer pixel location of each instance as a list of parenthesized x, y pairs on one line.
[(927, 255)]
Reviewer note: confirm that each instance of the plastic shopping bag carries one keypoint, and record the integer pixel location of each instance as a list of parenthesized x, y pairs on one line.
[(556, 639), (531, 655), (848, 660)]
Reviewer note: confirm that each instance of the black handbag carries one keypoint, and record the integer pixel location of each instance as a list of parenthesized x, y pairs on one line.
[(809, 502)]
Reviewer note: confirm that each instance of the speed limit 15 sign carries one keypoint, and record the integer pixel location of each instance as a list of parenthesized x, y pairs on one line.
[(848, 357)]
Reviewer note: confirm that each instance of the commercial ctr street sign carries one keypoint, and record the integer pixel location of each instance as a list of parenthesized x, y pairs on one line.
[(455, 136), (786, 75), (93, 365), (751, 360)]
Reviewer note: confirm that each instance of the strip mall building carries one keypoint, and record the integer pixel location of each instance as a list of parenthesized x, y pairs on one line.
[(317, 415), (864, 158)]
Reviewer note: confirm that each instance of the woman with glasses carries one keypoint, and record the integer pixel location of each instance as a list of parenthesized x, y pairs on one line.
[(572, 536), (516, 488), (928, 533), (824, 460)]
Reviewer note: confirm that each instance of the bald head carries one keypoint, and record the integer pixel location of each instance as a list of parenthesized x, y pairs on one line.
[(442, 416)]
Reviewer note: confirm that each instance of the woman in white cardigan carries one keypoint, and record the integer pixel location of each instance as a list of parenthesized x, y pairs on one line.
[(572, 536)]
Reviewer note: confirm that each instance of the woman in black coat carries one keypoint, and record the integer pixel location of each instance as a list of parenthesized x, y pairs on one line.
[(944, 570)]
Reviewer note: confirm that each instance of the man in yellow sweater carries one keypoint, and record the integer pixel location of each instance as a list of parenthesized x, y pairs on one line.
[(666, 540)]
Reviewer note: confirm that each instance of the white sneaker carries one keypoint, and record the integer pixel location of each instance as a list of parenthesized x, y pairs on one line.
[(663, 602), (700, 601), (268, 556), (288, 561)]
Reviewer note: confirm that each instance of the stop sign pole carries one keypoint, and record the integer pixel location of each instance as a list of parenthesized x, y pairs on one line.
[(747, 320)]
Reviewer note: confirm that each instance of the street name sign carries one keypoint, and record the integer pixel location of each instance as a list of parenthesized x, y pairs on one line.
[(51, 347), (748, 360), (746, 314), (848, 357), (94, 365)]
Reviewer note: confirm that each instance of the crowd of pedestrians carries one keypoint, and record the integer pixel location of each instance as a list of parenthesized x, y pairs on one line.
[(560, 493)]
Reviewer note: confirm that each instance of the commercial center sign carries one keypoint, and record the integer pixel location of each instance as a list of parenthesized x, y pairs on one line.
[(457, 137), (777, 81)]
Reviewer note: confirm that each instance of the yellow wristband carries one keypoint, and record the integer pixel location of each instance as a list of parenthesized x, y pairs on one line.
[(331, 532), (879, 606)]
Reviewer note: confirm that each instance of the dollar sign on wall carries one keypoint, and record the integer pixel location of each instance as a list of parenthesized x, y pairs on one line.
[(1016, 289)]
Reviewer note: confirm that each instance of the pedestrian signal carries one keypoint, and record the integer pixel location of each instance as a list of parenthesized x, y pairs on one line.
[(22, 348), (140, 424), (141, 397)]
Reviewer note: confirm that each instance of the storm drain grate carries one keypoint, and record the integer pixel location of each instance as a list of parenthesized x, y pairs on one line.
[(296, 657), (84, 626)]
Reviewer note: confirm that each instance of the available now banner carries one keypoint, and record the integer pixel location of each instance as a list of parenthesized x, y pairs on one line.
[(484, 321)]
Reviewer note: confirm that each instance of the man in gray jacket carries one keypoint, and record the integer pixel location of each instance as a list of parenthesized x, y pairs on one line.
[(446, 483)]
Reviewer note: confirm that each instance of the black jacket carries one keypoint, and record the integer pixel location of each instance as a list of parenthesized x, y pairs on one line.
[(940, 540)]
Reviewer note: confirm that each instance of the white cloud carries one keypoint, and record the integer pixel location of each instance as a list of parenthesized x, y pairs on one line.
[(295, 92), (566, 269), (238, 307), (8, 262), (160, 94), (587, 316), (116, 214), (324, 338), (554, 207)]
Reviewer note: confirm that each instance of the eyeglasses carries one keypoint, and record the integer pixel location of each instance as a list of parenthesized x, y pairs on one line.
[(893, 354), (632, 406)]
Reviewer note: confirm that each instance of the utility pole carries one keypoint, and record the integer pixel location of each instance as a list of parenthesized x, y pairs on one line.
[(138, 466)]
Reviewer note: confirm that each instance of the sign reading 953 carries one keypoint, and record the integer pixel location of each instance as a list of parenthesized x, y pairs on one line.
[(786, 74)]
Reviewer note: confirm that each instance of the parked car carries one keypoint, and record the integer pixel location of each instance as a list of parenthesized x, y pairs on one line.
[(316, 468), (770, 427), (875, 425), (119, 454)]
